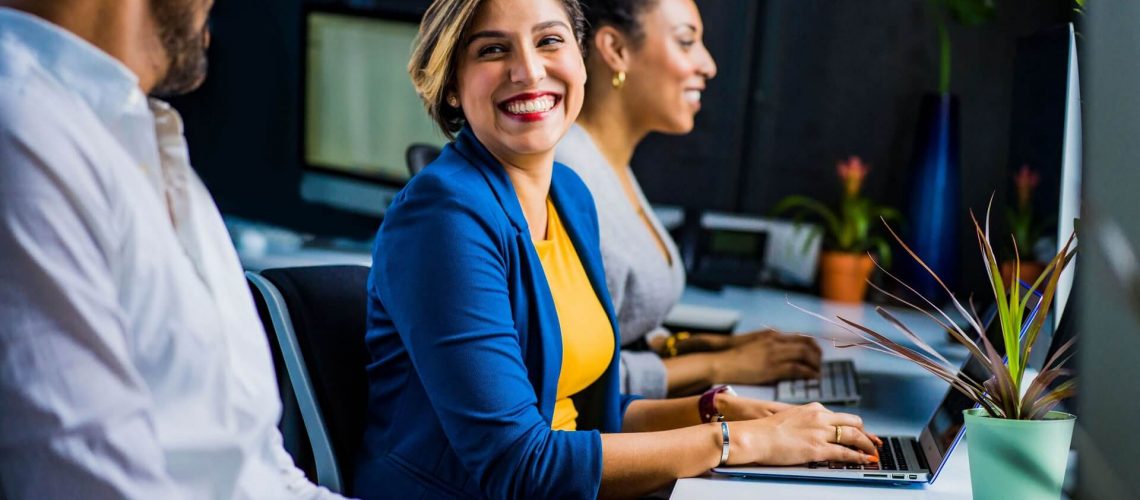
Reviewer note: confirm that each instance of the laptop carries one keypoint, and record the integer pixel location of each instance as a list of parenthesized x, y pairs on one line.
[(902, 459)]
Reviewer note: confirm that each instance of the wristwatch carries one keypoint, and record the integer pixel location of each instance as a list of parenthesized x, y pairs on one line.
[(707, 404)]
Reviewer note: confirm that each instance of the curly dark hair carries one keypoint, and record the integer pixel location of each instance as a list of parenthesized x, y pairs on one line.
[(621, 14)]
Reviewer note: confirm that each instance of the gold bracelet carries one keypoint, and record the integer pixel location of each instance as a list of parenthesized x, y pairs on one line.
[(671, 343)]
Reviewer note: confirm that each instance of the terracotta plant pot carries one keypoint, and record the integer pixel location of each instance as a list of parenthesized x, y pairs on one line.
[(1030, 271), (843, 275)]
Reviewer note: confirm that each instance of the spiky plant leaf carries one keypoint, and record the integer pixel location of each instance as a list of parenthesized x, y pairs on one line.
[(1000, 394)]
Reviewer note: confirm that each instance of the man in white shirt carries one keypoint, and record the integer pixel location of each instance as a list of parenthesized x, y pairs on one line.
[(132, 361)]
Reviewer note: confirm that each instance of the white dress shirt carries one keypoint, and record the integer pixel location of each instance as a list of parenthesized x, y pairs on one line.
[(132, 360)]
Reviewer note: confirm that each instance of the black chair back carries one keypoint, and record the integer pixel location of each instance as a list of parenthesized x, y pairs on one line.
[(419, 155), (327, 306)]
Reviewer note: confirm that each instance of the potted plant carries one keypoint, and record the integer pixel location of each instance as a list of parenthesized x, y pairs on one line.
[(1025, 228), (1018, 446), (845, 265)]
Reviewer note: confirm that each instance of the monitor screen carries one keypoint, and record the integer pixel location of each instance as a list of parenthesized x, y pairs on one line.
[(361, 111), (740, 244)]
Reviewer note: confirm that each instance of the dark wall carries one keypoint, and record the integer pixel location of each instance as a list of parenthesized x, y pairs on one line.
[(831, 78), (801, 84), (702, 169)]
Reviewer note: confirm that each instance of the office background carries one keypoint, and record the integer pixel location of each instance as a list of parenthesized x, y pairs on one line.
[(801, 84)]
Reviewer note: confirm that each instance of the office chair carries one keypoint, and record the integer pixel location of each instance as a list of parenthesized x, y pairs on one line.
[(316, 321), (419, 155)]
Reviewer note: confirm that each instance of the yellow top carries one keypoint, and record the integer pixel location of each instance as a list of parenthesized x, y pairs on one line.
[(587, 336)]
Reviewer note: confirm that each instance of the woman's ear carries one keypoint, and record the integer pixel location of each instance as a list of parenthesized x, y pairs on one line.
[(612, 46)]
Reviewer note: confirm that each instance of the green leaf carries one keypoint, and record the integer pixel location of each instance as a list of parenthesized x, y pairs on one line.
[(971, 12), (999, 394), (883, 248), (887, 214), (1058, 265), (803, 203)]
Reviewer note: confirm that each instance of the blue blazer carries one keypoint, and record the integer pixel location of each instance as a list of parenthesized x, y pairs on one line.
[(465, 343)]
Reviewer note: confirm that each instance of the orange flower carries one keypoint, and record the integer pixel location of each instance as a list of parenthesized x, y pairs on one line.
[(1025, 180), (852, 173)]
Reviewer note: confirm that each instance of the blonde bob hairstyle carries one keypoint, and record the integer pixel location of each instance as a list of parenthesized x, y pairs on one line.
[(436, 53)]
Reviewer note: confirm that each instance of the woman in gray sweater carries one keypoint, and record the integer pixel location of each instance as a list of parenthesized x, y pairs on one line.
[(647, 69)]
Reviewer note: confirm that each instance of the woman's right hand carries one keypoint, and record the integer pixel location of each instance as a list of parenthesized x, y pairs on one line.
[(768, 359), (801, 435)]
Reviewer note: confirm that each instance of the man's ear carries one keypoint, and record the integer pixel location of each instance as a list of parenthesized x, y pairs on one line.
[(613, 47)]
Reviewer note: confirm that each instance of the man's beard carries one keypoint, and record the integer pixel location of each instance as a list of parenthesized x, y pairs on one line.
[(185, 46)]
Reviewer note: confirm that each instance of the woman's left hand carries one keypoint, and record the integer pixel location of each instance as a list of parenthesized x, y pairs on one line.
[(741, 408)]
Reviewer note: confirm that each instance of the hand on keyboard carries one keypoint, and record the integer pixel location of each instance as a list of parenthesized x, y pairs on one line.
[(804, 434), (768, 358)]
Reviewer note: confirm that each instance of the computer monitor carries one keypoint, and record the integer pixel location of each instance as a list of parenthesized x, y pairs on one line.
[(1045, 133), (1067, 329), (1069, 207), (360, 112)]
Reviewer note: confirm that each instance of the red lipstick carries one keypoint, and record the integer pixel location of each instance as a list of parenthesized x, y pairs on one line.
[(530, 106)]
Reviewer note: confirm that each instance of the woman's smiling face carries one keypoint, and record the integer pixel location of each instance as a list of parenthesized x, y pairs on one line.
[(520, 76), (669, 67)]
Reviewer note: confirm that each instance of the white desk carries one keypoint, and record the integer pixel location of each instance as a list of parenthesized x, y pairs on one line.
[(898, 396), (303, 257)]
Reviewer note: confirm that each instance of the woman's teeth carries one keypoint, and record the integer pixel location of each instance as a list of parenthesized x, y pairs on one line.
[(538, 105), (693, 96)]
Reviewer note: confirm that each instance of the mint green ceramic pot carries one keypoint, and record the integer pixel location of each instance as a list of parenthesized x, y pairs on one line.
[(1018, 459)]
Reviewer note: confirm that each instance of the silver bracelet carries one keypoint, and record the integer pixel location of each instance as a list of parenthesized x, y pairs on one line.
[(724, 444)]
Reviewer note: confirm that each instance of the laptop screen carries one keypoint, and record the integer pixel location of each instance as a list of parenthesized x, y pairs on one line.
[(948, 420), (946, 423)]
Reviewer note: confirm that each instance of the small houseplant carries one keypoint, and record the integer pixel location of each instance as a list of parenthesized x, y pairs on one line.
[(845, 265), (1026, 228), (1018, 446)]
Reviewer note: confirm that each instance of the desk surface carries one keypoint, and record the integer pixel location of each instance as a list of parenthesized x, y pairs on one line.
[(898, 396)]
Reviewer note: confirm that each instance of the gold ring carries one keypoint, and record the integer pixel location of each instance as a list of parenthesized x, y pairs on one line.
[(838, 434)]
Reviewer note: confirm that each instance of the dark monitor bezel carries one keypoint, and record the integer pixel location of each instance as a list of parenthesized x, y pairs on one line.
[(307, 11), (1066, 329)]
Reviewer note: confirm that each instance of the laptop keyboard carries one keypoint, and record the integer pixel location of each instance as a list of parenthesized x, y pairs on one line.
[(891, 458), (836, 383)]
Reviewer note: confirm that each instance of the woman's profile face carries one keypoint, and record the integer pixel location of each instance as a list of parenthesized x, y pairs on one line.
[(668, 69), (520, 76)]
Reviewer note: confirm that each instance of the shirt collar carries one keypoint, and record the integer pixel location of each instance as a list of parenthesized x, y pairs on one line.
[(102, 81), (469, 146)]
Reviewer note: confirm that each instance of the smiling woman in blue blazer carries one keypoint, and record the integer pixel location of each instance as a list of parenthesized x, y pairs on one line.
[(493, 346)]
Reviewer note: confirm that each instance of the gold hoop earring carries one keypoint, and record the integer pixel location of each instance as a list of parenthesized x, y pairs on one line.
[(619, 80), (453, 101)]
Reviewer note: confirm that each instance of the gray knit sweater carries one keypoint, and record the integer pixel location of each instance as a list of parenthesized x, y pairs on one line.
[(643, 285)]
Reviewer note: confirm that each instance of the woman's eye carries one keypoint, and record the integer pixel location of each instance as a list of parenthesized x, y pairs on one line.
[(491, 50), (550, 41), (687, 44)]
